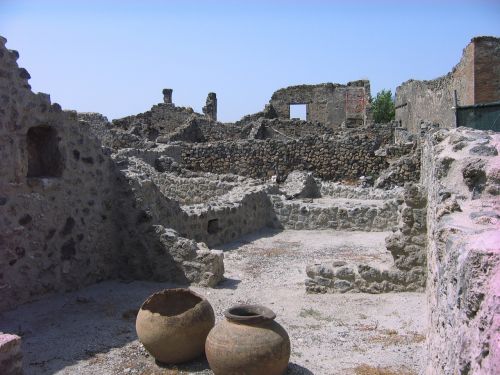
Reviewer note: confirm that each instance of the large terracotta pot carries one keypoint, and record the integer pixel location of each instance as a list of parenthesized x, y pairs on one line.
[(248, 342), (173, 325)]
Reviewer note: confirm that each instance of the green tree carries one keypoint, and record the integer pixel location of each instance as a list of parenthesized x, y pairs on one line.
[(383, 107)]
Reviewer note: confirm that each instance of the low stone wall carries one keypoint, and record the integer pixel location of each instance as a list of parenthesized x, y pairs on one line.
[(462, 171), (10, 355), (407, 246), (338, 190), (243, 209), (340, 213), (196, 188)]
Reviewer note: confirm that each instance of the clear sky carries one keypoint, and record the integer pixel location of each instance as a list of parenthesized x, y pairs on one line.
[(115, 57)]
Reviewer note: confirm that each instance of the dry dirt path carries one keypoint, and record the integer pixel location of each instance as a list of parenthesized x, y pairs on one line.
[(92, 331)]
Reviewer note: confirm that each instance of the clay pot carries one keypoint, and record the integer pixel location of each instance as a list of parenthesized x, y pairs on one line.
[(173, 325), (248, 342)]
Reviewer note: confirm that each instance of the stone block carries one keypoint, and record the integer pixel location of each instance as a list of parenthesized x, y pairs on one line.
[(10, 354)]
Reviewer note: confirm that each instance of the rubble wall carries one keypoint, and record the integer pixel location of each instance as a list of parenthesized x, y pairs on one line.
[(159, 120), (332, 158), (407, 245), (69, 214), (56, 195), (225, 217), (329, 104), (11, 356), (339, 214), (461, 169)]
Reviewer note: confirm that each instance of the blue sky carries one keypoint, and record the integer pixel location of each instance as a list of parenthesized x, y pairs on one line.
[(115, 57)]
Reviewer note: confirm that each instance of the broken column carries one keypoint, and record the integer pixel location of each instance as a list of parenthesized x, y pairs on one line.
[(210, 108), (167, 96)]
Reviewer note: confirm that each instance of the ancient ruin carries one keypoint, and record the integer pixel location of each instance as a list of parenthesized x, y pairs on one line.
[(174, 197)]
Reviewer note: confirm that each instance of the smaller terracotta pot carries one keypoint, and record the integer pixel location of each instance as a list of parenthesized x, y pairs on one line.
[(248, 342), (173, 325)]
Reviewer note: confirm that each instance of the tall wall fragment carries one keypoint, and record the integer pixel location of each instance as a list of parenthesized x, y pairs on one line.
[(328, 103), (474, 80)]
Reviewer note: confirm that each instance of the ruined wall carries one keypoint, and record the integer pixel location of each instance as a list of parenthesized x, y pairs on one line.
[(150, 245), (337, 190), (339, 214), (407, 246), (161, 119), (432, 101), (461, 169), (345, 156), (474, 78), (11, 356), (284, 130), (243, 209), (328, 103), (98, 125), (69, 214), (56, 195), (193, 188)]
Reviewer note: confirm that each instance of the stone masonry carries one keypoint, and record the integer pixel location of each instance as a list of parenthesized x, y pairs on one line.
[(474, 80), (10, 354), (462, 171), (331, 104), (407, 246), (62, 201)]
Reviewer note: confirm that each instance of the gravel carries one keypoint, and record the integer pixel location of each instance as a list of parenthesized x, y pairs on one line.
[(92, 331)]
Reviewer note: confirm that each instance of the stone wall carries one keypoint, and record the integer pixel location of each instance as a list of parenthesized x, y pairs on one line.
[(11, 356), (338, 190), (336, 213), (407, 246), (461, 169), (195, 188), (474, 79), (283, 129), (346, 156), (328, 103), (243, 209), (67, 214), (56, 195), (160, 119)]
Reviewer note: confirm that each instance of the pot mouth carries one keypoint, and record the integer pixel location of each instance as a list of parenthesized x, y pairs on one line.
[(249, 314), (172, 302)]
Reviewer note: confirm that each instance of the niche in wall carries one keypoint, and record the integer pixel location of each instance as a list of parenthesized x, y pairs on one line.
[(213, 226), (44, 157)]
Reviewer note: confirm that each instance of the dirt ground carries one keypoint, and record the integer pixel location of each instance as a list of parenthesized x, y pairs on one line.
[(92, 331)]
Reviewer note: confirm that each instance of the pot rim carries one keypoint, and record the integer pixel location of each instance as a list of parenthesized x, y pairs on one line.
[(249, 314), (173, 290)]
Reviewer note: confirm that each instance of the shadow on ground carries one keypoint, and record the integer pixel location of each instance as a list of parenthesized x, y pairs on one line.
[(249, 238), (61, 330)]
